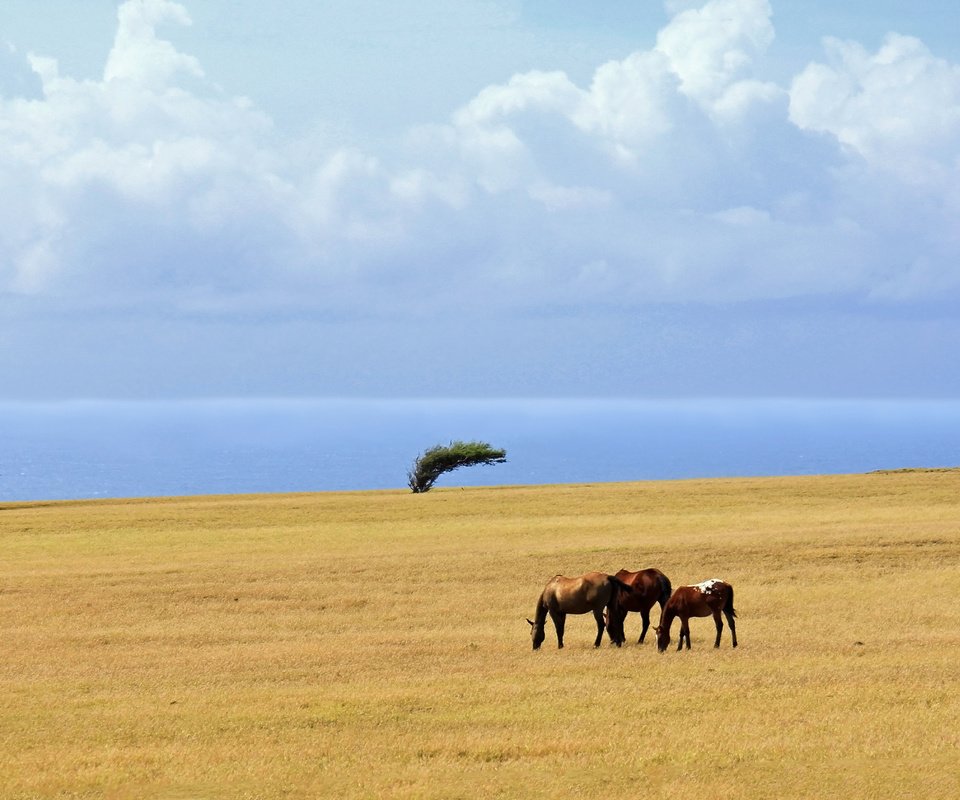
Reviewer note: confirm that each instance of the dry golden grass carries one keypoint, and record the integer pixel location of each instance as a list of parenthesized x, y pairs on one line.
[(367, 645)]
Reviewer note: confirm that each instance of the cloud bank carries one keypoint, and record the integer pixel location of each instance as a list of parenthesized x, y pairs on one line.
[(679, 174)]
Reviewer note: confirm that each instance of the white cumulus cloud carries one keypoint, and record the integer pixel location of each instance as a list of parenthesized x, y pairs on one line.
[(900, 103), (138, 55), (678, 173), (710, 48)]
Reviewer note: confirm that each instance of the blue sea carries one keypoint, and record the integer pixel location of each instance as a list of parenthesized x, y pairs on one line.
[(97, 449)]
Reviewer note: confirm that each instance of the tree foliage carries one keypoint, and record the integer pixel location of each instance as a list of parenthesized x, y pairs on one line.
[(432, 463)]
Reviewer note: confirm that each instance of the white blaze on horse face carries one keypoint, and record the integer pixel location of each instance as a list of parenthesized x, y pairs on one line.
[(707, 586)]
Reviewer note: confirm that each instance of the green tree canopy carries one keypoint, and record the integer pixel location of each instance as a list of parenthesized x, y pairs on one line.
[(432, 463)]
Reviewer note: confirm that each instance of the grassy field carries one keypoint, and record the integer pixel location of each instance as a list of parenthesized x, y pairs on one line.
[(374, 644)]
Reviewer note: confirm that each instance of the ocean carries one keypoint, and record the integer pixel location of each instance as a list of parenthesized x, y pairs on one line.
[(95, 449)]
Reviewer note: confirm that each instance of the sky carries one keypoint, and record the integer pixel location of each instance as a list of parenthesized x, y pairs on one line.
[(483, 198)]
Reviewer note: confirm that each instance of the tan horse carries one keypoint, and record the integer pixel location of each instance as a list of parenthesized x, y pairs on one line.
[(592, 592), (702, 600), (650, 586)]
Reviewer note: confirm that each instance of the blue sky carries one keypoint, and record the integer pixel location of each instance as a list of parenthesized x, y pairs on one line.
[(493, 197)]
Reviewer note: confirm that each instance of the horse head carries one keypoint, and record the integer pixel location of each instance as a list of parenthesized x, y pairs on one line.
[(663, 638), (537, 633)]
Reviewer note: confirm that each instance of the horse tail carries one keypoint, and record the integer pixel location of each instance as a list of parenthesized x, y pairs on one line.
[(665, 589), (728, 608), (616, 586)]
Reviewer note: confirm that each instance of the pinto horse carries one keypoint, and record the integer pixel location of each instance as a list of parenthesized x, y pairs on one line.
[(591, 592), (650, 586), (702, 600)]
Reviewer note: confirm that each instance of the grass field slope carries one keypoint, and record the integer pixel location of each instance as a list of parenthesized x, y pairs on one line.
[(374, 644)]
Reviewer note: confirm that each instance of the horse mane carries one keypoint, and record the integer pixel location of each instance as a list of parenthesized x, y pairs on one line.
[(666, 619), (540, 617)]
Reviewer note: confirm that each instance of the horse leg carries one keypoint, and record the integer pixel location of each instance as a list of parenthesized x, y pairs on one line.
[(598, 616), (733, 626), (719, 623), (622, 616), (645, 616), (684, 631), (558, 618)]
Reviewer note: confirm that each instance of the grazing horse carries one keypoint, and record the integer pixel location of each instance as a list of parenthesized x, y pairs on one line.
[(650, 586), (589, 593), (702, 600)]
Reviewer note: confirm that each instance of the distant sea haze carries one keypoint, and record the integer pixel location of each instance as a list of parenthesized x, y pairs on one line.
[(73, 450)]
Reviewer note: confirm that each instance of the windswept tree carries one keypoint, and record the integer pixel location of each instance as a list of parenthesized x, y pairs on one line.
[(439, 459)]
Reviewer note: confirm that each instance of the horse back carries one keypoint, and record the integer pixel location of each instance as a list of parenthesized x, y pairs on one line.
[(694, 601), (647, 588), (578, 595)]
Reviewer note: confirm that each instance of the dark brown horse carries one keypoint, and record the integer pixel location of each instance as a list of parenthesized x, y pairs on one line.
[(592, 592), (650, 586), (702, 600)]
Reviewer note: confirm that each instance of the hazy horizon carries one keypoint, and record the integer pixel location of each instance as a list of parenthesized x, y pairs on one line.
[(74, 449)]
